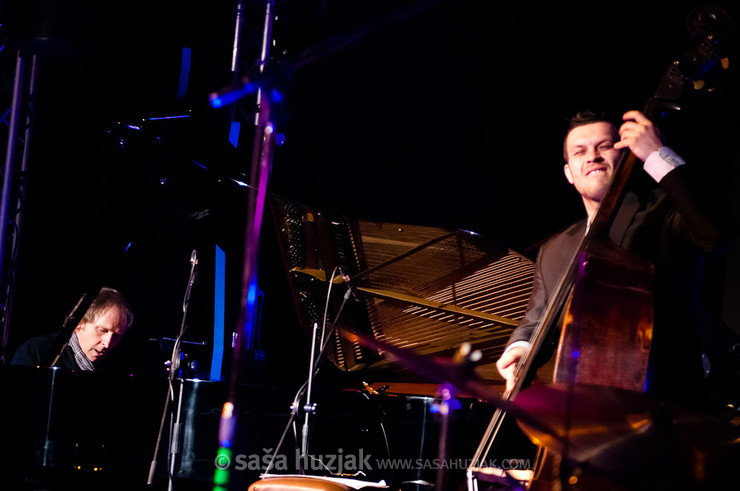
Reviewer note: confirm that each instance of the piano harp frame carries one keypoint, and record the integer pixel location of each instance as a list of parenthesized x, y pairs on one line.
[(427, 289)]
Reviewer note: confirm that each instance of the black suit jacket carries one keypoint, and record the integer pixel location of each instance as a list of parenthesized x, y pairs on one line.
[(674, 226), (32, 352)]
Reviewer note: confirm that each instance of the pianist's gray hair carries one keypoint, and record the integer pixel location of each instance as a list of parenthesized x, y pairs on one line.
[(109, 297)]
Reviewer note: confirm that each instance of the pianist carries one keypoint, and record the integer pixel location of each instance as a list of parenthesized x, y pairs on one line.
[(101, 328)]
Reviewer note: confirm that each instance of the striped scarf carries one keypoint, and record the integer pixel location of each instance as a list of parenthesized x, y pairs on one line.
[(82, 360)]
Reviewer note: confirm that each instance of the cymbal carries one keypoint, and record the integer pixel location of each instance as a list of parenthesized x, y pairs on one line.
[(459, 374), (632, 437)]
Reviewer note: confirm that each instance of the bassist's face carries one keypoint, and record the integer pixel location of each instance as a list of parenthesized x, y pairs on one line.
[(591, 160)]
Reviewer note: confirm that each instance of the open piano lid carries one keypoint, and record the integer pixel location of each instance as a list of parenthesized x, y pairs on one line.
[(426, 289)]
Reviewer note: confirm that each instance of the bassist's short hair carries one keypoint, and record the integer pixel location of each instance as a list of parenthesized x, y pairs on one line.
[(582, 118)]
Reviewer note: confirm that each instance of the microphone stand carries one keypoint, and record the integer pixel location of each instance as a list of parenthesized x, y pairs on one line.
[(308, 408), (308, 385), (464, 360), (265, 139), (173, 368), (445, 409)]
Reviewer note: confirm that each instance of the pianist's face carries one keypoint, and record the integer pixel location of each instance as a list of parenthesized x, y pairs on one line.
[(98, 337)]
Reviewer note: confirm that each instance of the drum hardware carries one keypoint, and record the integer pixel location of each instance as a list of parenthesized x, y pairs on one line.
[(461, 376), (610, 435), (457, 373)]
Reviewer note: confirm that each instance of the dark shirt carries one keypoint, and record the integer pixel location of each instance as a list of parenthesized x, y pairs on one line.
[(33, 351)]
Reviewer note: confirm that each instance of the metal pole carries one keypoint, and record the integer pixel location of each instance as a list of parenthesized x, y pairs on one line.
[(24, 87), (264, 141), (308, 409), (236, 49)]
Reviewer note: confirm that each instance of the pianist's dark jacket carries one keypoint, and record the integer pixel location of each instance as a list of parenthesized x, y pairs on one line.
[(34, 350)]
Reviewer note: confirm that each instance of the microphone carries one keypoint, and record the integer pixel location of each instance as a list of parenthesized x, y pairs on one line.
[(193, 267), (267, 82), (232, 93), (351, 290)]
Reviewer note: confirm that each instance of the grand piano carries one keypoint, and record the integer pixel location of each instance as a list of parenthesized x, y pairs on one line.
[(423, 289)]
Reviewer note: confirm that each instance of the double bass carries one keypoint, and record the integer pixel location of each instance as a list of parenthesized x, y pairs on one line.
[(607, 343)]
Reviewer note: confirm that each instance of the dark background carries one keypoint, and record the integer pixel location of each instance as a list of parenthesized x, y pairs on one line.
[(435, 113)]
